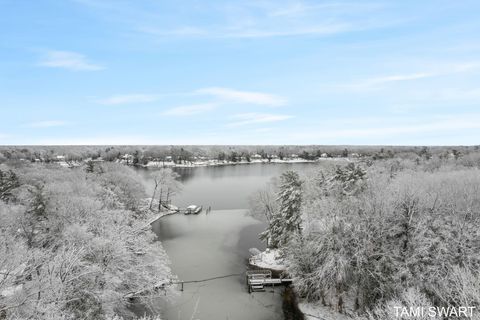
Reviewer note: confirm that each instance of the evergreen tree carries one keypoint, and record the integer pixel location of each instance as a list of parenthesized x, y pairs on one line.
[(285, 223), (8, 182), (290, 198), (90, 167)]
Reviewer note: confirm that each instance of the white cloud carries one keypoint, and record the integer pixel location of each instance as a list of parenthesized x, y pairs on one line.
[(236, 96), (444, 70), (299, 8), (265, 19), (190, 109), (318, 30), (401, 77), (181, 31), (441, 125), (253, 117), (47, 124), (128, 99), (99, 140), (252, 32), (68, 60)]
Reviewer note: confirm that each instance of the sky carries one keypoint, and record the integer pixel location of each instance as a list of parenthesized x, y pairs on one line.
[(239, 72)]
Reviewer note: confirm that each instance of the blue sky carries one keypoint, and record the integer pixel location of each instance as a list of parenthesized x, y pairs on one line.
[(239, 72)]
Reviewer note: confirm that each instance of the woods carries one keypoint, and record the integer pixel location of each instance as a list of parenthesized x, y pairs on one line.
[(73, 243), (384, 234)]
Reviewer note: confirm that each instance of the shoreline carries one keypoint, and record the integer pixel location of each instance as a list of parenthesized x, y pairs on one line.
[(218, 163)]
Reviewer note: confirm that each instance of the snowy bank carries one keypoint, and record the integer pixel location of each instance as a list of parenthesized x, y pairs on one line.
[(208, 163), (315, 311), (268, 259)]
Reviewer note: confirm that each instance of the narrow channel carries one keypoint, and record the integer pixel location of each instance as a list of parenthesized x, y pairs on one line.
[(216, 244)]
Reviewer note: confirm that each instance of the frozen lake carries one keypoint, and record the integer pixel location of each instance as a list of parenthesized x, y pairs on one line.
[(216, 244)]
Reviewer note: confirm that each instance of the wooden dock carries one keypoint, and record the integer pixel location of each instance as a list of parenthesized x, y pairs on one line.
[(257, 280)]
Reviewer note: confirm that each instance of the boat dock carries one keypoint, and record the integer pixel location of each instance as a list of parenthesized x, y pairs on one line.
[(257, 280)]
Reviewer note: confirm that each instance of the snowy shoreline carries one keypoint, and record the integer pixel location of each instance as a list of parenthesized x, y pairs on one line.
[(211, 163), (271, 259)]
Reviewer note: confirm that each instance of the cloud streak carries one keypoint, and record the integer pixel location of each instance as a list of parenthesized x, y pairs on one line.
[(254, 118), (190, 110), (257, 32), (441, 125), (237, 96), (47, 124), (377, 82), (128, 99), (68, 60)]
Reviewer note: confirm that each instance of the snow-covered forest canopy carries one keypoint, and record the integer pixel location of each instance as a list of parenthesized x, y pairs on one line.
[(76, 243), (376, 235), (143, 154), (395, 227)]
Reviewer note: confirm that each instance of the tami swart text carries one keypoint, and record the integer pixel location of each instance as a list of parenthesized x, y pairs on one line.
[(413, 312)]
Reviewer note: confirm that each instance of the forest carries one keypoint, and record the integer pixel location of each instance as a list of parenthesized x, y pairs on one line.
[(180, 154), (360, 237), (368, 237), (76, 243)]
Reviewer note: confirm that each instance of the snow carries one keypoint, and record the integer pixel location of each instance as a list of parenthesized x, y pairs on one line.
[(206, 163), (10, 291), (269, 259), (315, 311)]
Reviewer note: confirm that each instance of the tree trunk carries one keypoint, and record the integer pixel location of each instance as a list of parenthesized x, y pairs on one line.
[(153, 196), (168, 196), (160, 200)]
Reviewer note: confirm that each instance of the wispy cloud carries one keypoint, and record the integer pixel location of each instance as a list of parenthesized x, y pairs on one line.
[(128, 99), (47, 124), (253, 118), (68, 60), (236, 96), (441, 125), (252, 32), (267, 19), (190, 109), (299, 8), (379, 81), (118, 139)]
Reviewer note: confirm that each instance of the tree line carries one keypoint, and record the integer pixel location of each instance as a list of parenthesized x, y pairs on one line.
[(368, 237), (182, 154)]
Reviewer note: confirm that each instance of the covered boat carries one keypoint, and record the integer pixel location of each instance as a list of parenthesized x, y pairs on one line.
[(193, 209)]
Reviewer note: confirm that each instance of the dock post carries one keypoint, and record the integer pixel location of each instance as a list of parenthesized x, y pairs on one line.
[(182, 287)]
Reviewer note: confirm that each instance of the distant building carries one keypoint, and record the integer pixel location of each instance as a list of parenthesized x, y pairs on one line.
[(256, 156)]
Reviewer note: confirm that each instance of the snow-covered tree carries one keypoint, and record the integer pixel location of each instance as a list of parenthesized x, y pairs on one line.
[(167, 185), (286, 221)]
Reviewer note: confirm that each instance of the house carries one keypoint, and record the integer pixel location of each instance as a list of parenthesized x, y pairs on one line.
[(127, 157), (256, 156)]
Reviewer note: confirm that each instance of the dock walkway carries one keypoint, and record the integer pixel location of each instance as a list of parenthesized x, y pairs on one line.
[(257, 280)]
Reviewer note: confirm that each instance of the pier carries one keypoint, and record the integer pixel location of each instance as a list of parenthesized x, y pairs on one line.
[(257, 280)]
